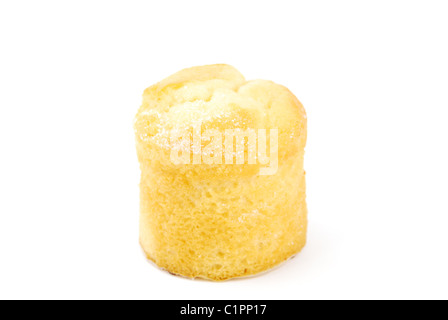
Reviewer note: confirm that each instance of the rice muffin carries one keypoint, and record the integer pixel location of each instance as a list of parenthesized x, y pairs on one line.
[(205, 217)]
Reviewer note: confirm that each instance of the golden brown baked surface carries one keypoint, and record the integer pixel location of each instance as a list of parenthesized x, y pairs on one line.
[(219, 221)]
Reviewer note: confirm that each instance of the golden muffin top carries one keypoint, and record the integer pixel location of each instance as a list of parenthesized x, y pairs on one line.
[(215, 97)]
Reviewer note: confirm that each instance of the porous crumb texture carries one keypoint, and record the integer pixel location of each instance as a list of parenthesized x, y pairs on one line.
[(220, 221)]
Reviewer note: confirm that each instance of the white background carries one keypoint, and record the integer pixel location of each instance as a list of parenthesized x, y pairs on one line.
[(373, 76)]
